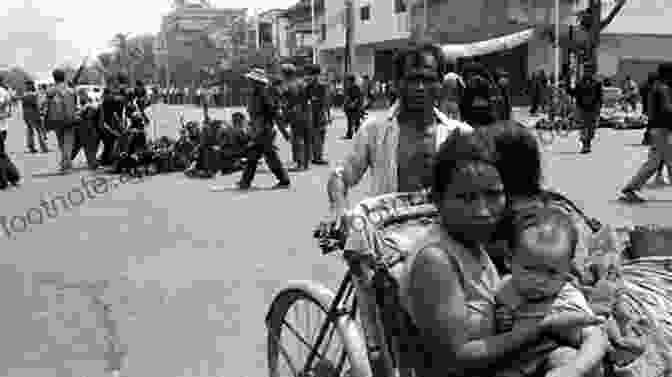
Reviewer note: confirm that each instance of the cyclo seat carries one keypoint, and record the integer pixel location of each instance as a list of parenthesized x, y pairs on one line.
[(381, 233)]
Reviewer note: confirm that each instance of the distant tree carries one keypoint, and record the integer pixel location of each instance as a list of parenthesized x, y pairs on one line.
[(16, 77)]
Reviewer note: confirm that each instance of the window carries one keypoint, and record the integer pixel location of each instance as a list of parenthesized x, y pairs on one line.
[(399, 6), (365, 13), (323, 32)]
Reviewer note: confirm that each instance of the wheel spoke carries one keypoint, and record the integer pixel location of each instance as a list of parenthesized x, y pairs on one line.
[(328, 357), (285, 355), (302, 339)]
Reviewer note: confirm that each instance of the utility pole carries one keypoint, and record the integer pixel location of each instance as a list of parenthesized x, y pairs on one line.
[(595, 15), (349, 36), (313, 27)]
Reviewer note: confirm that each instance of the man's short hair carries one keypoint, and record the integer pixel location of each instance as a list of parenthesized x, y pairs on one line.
[(58, 75), (415, 52)]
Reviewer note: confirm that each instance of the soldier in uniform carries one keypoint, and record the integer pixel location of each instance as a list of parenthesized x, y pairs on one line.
[(115, 97), (296, 113), (317, 94), (263, 111)]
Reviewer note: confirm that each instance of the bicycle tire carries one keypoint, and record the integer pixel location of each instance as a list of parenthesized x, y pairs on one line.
[(352, 358)]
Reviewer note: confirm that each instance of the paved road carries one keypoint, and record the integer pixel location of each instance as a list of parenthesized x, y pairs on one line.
[(192, 271)]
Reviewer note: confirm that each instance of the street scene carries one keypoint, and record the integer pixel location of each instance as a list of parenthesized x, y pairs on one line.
[(192, 271), (170, 200)]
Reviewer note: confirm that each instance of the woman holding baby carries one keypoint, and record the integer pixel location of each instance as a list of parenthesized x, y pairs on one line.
[(467, 320)]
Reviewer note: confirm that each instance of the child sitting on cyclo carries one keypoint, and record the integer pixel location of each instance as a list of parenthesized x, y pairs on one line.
[(543, 246)]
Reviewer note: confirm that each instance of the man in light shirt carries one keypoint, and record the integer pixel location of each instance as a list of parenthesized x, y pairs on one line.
[(5, 105), (398, 149)]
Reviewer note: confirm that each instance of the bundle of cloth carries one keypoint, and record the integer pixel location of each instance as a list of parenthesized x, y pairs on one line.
[(630, 284)]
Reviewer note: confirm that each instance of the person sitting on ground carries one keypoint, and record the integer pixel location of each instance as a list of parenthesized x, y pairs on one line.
[(543, 245), (207, 155)]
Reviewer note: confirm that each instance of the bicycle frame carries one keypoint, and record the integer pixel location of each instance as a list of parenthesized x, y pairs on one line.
[(345, 290)]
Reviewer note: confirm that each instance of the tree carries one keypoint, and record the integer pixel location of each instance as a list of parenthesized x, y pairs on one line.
[(16, 78)]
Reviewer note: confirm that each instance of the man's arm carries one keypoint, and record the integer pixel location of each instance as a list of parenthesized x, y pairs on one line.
[(351, 170)]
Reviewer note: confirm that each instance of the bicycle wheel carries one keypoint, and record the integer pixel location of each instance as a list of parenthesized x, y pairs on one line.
[(298, 314)]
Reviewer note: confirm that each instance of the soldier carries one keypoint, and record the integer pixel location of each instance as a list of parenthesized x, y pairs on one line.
[(317, 94), (262, 108), (588, 93), (31, 103), (353, 105), (115, 98), (295, 97)]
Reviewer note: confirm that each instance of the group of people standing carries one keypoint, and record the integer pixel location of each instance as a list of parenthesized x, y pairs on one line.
[(298, 105), (79, 121)]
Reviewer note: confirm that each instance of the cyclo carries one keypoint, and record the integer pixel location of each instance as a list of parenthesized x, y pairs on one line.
[(343, 317), (357, 331)]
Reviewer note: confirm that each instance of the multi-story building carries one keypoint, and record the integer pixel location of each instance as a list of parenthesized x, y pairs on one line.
[(303, 35), (272, 26), (381, 26), (378, 27), (195, 37), (637, 40)]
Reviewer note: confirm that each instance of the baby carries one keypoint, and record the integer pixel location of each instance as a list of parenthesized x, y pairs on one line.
[(543, 245)]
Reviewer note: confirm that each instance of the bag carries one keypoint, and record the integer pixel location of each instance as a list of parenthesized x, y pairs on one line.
[(61, 107)]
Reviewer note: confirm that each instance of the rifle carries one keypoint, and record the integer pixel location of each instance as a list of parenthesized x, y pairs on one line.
[(74, 80)]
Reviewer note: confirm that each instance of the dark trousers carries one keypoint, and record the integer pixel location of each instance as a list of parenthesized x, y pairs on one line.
[(109, 141), (34, 126), (354, 118), (264, 148), (659, 153), (86, 137), (319, 135), (302, 143), (66, 141), (589, 119), (536, 101)]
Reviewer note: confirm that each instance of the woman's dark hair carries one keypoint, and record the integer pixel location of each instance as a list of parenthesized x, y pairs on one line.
[(459, 148), (415, 52), (518, 157)]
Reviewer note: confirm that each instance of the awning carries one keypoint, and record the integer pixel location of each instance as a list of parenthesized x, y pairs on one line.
[(465, 50)]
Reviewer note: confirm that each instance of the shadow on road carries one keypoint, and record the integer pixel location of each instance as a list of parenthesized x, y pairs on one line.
[(566, 152), (58, 173), (233, 189)]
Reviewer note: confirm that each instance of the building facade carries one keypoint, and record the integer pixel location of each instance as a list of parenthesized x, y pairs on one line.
[(381, 26), (637, 40), (195, 38), (302, 35)]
